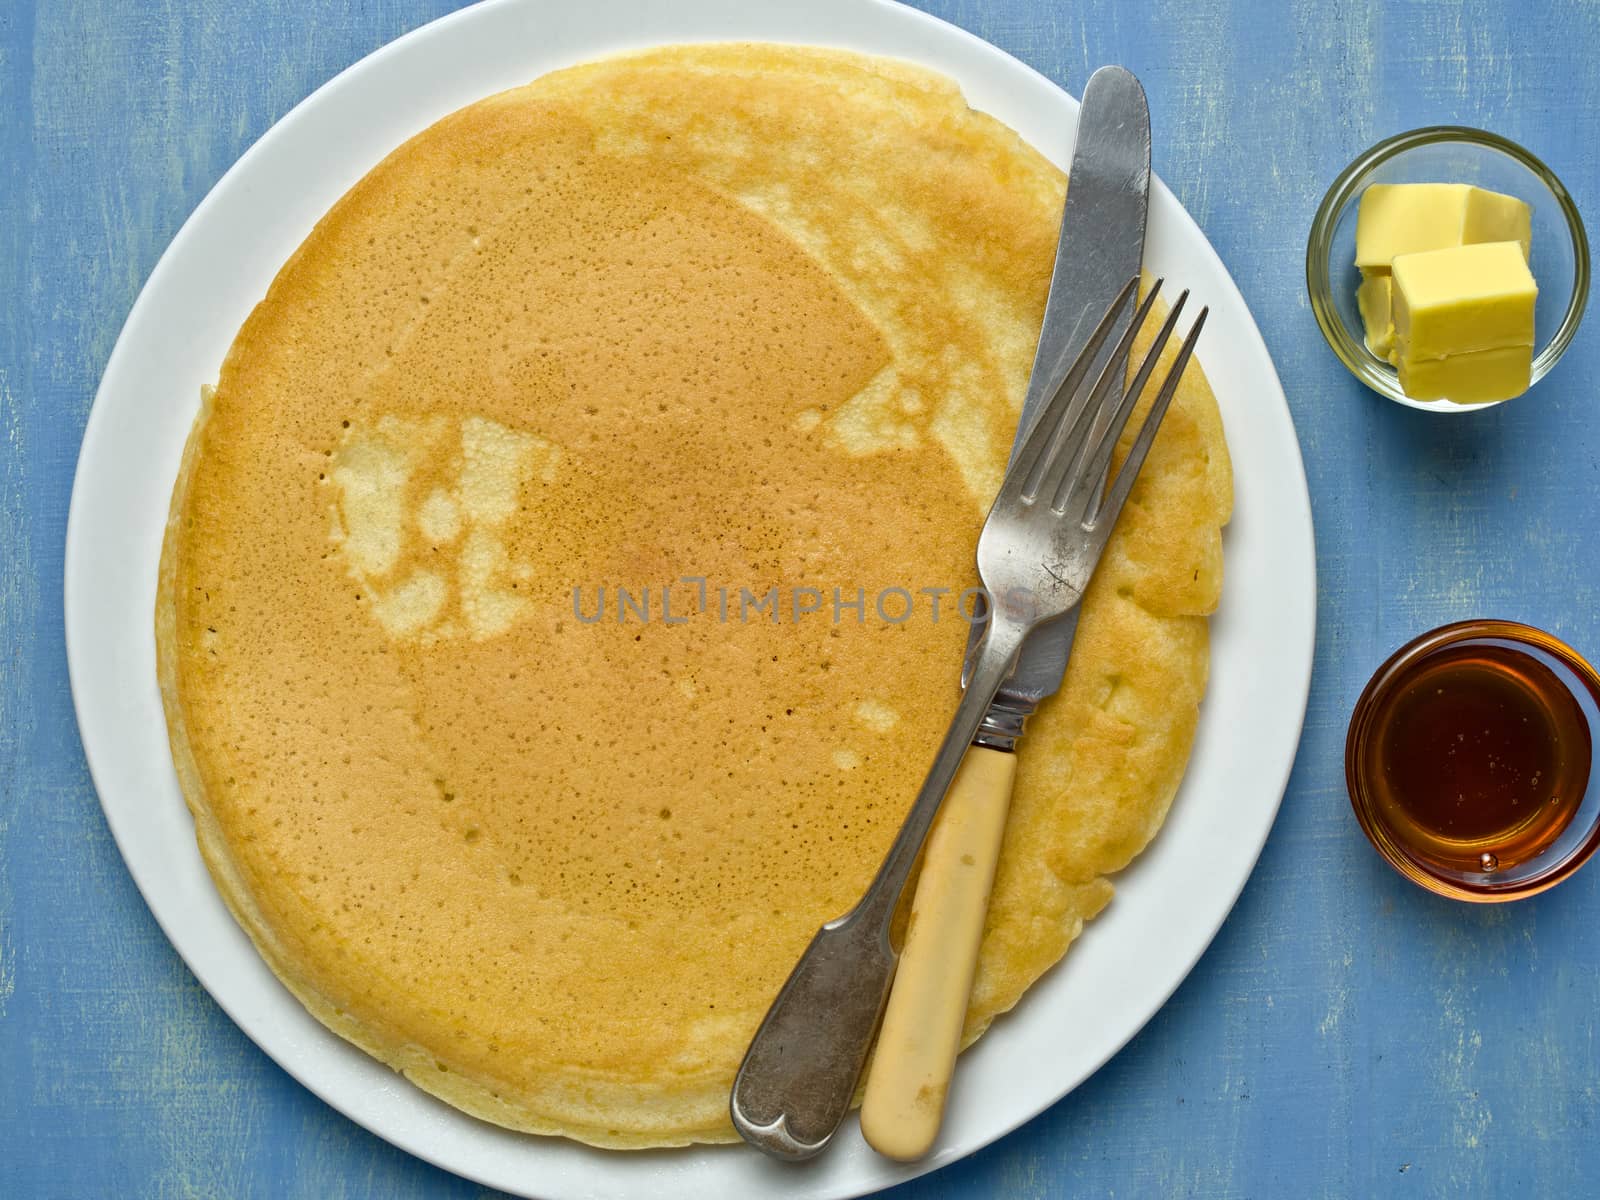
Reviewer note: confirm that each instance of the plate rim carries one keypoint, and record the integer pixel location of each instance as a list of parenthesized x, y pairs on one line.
[(82, 684)]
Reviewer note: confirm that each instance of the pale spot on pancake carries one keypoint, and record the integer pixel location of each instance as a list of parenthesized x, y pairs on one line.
[(870, 421), (846, 759), (371, 472), (439, 518), (807, 420), (716, 136), (374, 472), (489, 607), (965, 426), (912, 228), (412, 604), (877, 716), (496, 462), (688, 688)]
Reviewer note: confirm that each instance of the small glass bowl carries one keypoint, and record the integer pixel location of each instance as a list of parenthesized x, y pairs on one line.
[(1568, 850), (1448, 154)]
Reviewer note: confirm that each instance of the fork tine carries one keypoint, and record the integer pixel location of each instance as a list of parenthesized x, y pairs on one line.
[(1065, 406), (1069, 466), (1087, 478), (1112, 503)]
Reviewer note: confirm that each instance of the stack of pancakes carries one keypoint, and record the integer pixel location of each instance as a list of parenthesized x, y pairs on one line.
[(709, 320)]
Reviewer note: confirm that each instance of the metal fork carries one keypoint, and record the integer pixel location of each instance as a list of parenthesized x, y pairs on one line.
[(1037, 552)]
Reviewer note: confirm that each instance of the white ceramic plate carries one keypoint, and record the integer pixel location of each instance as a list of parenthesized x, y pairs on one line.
[(1129, 961)]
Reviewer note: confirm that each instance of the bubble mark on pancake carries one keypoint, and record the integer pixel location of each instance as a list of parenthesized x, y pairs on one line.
[(407, 491), (876, 716)]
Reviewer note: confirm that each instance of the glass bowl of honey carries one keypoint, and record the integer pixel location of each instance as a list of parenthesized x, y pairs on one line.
[(1471, 760)]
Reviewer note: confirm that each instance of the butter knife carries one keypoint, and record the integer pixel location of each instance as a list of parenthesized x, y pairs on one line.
[(800, 1074), (1101, 247)]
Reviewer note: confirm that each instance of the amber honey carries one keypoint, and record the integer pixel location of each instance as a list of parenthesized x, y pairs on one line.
[(1470, 760)]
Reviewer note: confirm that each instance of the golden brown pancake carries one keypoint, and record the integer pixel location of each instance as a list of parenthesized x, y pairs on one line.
[(757, 315)]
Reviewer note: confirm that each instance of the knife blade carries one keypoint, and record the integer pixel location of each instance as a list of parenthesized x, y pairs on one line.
[(1100, 247)]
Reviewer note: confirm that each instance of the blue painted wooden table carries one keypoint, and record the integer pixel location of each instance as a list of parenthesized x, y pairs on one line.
[(1346, 1035)]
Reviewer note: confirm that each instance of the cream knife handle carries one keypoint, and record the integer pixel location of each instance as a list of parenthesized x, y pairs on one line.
[(921, 1034), (800, 1073)]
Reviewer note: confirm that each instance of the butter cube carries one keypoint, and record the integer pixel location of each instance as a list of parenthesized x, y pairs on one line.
[(1493, 217), (1373, 299), (1466, 298), (1411, 218), (1480, 377)]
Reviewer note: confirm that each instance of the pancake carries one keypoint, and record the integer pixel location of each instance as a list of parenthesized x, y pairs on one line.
[(675, 329)]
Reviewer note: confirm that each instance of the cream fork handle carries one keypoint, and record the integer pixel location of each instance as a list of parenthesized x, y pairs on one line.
[(921, 1034)]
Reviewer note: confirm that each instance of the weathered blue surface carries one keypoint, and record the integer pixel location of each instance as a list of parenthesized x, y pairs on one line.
[(1347, 1034)]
